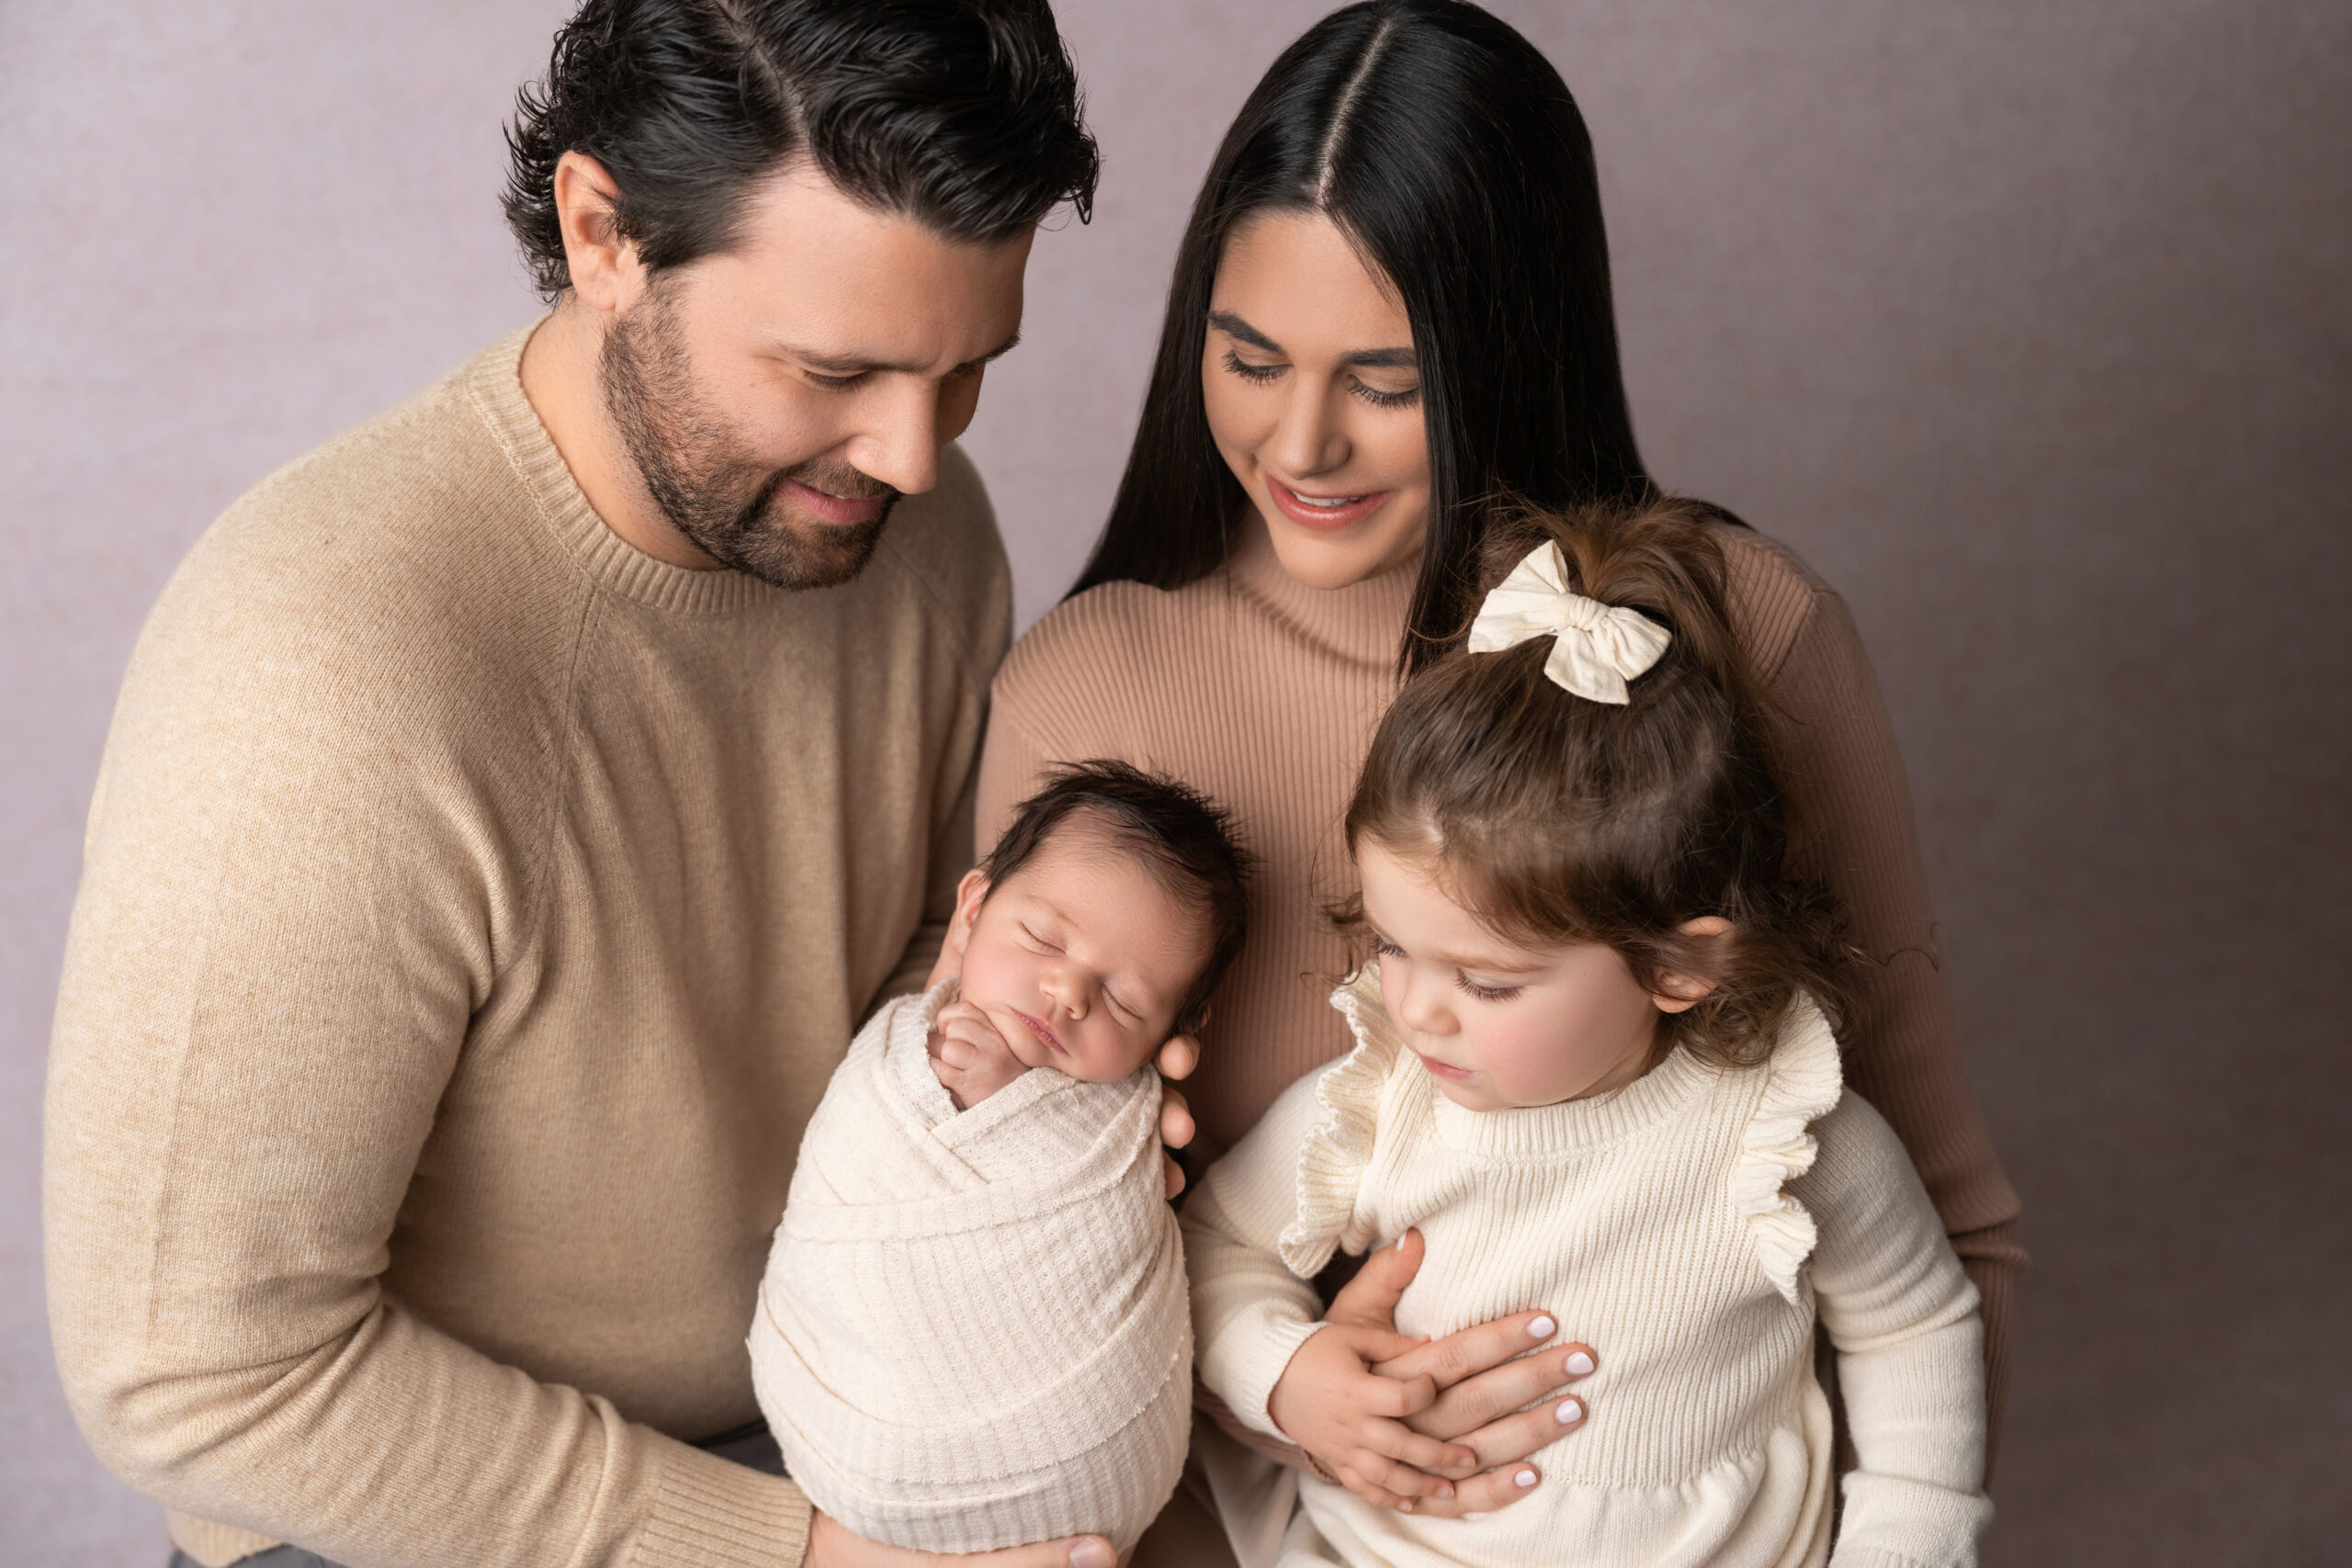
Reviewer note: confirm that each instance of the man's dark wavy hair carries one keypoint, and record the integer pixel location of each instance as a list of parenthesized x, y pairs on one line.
[(963, 115)]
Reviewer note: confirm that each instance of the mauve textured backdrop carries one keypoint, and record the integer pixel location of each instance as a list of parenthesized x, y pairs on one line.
[(2025, 321)]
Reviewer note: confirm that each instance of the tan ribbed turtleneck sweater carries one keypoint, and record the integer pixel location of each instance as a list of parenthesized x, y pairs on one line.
[(474, 909), (1265, 692)]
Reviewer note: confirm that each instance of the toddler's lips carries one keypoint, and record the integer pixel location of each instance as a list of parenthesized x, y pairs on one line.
[(1039, 1028), (1442, 1070)]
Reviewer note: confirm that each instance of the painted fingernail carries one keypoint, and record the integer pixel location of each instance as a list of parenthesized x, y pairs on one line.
[(1578, 1363), (1525, 1478), (1542, 1328), (1091, 1554), (1569, 1411)]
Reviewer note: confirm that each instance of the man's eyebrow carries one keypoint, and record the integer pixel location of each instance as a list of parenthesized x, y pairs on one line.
[(1236, 328), (852, 365)]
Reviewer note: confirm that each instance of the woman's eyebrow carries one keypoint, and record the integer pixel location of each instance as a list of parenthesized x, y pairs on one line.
[(1384, 359), (1234, 326)]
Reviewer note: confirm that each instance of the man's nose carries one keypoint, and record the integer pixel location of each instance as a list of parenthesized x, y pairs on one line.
[(900, 444)]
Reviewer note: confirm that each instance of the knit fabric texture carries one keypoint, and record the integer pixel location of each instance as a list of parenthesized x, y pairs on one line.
[(1265, 692), (973, 1332), (1689, 1224), (473, 912)]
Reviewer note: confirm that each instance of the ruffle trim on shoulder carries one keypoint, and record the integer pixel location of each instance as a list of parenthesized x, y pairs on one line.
[(1802, 1084), (1337, 1149)]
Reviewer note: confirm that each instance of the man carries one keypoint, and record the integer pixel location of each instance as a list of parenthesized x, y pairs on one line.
[(513, 806)]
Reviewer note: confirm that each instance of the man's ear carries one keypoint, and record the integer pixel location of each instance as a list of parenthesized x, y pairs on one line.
[(605, 274), (1681, 993), (970, 894)]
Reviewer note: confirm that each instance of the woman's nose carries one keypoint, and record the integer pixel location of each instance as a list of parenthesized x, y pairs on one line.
[(1310, 441)]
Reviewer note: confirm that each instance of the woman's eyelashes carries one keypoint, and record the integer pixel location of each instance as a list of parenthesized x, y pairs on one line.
[(1259, 374), (1380, 400)]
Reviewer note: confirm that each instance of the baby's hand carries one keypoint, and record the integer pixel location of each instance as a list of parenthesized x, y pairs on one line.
[(970, 1058)]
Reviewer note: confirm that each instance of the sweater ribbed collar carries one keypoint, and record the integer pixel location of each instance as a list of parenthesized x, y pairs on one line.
[(493, 381), (1575, 1123), (1363, 622)]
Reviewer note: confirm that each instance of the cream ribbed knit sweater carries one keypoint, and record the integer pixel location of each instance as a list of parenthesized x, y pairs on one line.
[(1265, 692), (473, 910), (973, 1331), (1690, 1224)]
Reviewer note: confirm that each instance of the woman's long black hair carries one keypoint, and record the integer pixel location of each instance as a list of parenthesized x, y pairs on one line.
[(1449, 149)]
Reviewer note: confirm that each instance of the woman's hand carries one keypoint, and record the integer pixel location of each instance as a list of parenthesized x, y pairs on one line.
[(833, 1546), (1480, 1379), (1177, 1059)]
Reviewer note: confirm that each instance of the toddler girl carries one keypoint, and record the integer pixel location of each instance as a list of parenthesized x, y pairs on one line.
[(972, 1332), (1594, 1068)]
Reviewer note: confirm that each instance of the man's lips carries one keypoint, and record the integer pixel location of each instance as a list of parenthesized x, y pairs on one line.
[(1454, 1075), (1337, 512), (837, 509), (1039, 1028)]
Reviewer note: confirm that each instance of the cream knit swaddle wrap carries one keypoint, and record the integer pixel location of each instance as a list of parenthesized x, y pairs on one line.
[(973, 1330)]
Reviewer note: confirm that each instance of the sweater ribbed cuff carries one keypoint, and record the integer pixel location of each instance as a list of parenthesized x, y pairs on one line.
[(1256, 1364), (711, 1513), (1871, 1557)]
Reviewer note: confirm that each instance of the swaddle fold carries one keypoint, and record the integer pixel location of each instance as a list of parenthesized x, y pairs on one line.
[(973, 1329)]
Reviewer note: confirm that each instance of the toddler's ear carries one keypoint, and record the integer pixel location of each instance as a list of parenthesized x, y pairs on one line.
[(1681, 993)]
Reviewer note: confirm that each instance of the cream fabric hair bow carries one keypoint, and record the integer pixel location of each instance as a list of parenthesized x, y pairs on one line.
[(1596, 648)]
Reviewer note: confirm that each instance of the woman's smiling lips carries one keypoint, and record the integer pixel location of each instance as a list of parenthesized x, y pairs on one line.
[(1454, 1075), (1324, 512), (1042, 1030)]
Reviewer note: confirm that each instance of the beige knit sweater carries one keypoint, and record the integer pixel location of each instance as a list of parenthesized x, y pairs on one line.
[(1690, 1223), (468, 930), (973, 1331), (1265, 693)]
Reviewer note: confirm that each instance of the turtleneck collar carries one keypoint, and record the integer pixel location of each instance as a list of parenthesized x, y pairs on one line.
[(494, 382), (1363, 622)]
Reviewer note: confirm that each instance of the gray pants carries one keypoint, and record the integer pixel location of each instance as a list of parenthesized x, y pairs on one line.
[(749, 1446)]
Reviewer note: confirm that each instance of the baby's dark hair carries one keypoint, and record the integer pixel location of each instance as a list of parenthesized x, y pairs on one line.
[(1186, 837), (1559, 818)]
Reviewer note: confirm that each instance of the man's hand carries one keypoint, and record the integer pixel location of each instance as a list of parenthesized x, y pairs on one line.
[(833, 1546), (1482, 1377), (1177, 1060), (968, 1057)]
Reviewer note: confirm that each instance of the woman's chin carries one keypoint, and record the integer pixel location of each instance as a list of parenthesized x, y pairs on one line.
[(1342, 558)]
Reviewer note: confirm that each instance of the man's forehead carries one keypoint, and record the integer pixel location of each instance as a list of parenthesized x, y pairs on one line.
[(815, 274)]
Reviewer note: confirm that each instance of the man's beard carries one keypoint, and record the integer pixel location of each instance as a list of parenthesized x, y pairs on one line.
[(722, 501)]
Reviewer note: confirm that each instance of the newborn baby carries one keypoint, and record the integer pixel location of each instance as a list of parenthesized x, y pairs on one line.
[(973, 1330)]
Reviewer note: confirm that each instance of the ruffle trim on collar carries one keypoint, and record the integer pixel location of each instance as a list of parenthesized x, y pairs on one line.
[(1338, 1148), (1802, 1084)]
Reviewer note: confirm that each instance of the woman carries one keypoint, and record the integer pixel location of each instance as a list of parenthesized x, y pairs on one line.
[(1392, 302)]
